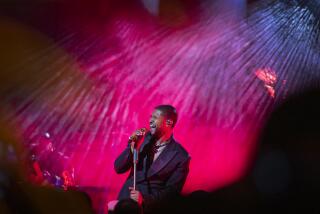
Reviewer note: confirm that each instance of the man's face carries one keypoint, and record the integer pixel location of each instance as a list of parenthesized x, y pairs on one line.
[(157, 123)]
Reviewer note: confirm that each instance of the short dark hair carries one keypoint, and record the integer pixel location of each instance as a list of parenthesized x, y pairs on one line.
[(169, 112)]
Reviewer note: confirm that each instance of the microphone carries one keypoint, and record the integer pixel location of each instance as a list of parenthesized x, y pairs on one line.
[(137, 135)]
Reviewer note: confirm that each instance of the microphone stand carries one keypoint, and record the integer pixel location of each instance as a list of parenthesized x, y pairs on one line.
[(135, 161), (134, 138)]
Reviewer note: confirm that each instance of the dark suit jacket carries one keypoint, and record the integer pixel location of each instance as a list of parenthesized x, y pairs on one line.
[(159, 181)]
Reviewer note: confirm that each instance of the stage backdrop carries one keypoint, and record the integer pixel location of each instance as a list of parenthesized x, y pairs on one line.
[(82, 76)]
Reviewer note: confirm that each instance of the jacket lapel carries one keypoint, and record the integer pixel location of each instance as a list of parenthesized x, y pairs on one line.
[(166, 155), (146, 141)]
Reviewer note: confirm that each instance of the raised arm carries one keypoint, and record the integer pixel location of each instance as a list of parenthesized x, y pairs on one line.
[(124, 161)]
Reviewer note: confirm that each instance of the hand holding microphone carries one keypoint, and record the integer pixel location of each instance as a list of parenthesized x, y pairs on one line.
[(136, 139)]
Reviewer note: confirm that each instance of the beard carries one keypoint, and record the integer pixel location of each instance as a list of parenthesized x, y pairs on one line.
[(158, 133)]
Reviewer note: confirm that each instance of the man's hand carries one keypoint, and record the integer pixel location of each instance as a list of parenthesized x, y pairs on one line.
[(136, 195), (137, 138)]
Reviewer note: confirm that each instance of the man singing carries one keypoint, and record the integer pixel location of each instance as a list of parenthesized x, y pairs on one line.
[(163, 164)]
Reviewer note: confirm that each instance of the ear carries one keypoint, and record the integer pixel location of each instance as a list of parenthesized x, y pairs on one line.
[(169, 122)]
